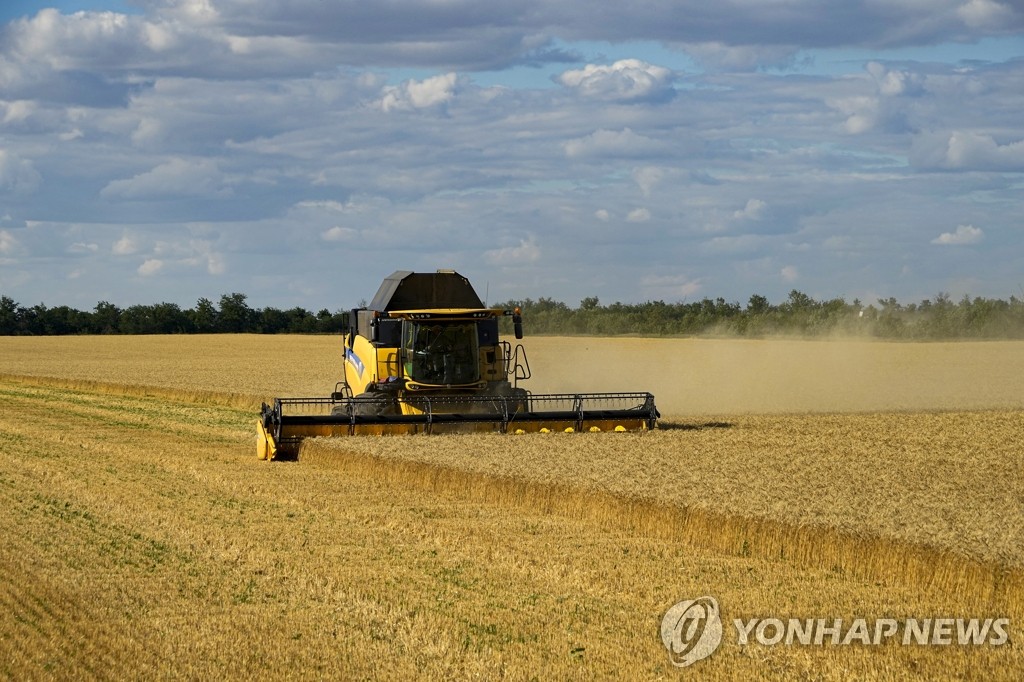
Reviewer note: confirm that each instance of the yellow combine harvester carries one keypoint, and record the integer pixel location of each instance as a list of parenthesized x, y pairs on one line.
[(425, 357)]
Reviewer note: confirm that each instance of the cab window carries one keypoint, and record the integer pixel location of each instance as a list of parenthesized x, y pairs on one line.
[(446, 354)]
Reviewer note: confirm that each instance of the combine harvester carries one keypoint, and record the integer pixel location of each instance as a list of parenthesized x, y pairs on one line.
[(425, 357)]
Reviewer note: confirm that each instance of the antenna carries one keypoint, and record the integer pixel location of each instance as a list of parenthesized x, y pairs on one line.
[(487, 293)]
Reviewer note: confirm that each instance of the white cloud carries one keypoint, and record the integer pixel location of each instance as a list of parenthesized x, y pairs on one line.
[(672, 287), (7, 242), (17, 111), (967, 151), (789, 274), (149, 132), (862, 112), (647, 178), (526, 252), (754, 210), (215, 264), (150, 267), (638, 215), (200, 253), (985, 14), (621, 143), (627, 80), (340, 234), (972, 150), (88, 40), (125, 246), (964, 234), (193, 11), (168, 39), (177, 255), (602, 215), (175, 178), (895, 82), (17, 174), (81, 247), (414, 94)]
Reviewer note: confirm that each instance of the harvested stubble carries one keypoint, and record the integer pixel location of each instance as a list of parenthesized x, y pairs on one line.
[(141, 538)]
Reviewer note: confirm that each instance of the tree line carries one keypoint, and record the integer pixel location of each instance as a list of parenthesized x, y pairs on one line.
[(232, 316), (800, 315)]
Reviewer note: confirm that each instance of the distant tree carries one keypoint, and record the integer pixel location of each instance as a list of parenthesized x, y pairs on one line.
[(160, 318), (548, 305), (168, 318), (137, 319), (29, 320), (799, 301), (63, 320), (273, 321), (204, 317), (106, 318), (235, 314), (889, 305), (332, 323), (758, 305), (300, 321), (10, 319)]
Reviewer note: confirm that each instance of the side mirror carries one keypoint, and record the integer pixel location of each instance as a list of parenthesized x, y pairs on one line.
[(517, 325)]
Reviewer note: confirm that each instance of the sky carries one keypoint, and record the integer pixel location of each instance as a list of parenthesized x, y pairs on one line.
[(299, 151)]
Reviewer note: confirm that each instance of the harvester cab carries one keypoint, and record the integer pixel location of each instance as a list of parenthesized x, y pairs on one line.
[(425, 357), (429, 334)]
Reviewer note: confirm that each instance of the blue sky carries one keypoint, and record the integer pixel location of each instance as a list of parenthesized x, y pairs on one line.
[(166, 150)]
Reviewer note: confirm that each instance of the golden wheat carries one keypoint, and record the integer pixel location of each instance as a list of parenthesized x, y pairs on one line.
[(142, 538), (878, 517), (245, 364), (952, 481)]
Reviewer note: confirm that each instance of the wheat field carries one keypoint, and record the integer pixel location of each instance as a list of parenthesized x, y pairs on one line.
[(688, 376), (142, 538)]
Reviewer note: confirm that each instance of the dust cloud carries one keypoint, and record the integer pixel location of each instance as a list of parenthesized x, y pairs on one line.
[(765, 376), (687, 376)]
